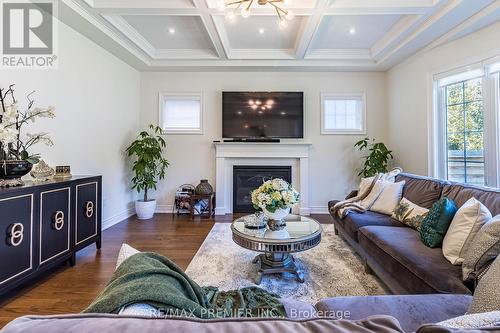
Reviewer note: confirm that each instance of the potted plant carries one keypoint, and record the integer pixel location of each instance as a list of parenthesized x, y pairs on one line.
[(15, 158), (377, 161), (149, 167), (275, 198)]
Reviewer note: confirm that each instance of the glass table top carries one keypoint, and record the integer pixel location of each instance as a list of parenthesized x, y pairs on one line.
[(297, 228)]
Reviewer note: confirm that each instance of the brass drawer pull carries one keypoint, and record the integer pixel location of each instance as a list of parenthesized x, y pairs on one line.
[(58, 221), (89, 209), (16, 234)]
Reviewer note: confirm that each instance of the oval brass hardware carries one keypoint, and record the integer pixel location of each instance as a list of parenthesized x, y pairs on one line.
[(89, 209), (16, 234), (58, 221)]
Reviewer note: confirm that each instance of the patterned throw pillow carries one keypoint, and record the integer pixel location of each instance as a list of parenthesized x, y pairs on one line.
[(484, 248), (487, 293), (437, 222), (410, 214)]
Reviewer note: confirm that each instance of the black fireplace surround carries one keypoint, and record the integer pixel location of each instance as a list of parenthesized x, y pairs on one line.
[(247, 178)]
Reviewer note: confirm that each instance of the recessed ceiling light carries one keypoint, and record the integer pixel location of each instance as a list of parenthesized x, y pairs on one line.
[(261, 31), (171, 31), (352, 30)]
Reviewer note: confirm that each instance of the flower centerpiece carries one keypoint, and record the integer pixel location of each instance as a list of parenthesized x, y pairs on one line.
[(275, 198), (15, 158)]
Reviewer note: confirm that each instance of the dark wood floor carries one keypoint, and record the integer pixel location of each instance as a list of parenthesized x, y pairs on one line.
[(71, 289)]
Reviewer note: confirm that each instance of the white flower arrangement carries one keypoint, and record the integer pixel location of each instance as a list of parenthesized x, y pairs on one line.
[(13, 144), (274, 194)]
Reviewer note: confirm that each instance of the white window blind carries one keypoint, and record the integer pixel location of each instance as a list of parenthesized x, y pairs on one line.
[(181, 113), (343, 114)]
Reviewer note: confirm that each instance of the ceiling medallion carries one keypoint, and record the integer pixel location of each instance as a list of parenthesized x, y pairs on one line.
[(244, 7)]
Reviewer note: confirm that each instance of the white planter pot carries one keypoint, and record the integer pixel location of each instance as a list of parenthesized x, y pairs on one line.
[(145, 209), (278, 215)]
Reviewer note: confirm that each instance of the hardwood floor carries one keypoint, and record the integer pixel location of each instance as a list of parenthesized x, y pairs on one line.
[(70, 289)]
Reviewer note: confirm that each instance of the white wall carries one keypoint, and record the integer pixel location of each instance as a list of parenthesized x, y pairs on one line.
[(332, 165), (96, 96), (409, 92)]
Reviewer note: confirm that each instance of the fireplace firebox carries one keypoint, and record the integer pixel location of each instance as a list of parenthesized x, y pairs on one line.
[(247, 178)]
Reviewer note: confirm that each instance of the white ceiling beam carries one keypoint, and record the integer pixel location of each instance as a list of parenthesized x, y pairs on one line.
[(452, 4), (402, 27), (141, 4), (211, 28), (492, 9), (382, 3), (308, 31)]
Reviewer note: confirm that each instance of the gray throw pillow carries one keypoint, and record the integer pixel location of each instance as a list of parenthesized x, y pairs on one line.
[(487, 294), (483, 249)]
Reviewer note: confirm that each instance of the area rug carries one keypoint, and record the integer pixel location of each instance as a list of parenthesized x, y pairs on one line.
[(330, 269)]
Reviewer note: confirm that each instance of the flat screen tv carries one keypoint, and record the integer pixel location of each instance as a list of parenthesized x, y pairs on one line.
[(262, 115)]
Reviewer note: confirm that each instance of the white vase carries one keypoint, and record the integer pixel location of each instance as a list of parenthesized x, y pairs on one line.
[(278, 215), (145, 209)]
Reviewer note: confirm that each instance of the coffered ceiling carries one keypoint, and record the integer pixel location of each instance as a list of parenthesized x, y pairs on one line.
[(324, 35)]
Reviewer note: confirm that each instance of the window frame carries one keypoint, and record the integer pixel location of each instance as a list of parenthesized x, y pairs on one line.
[(343, 96), (162, 95), (437, 120)]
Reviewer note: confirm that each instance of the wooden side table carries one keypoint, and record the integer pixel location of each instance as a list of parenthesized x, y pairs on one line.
[(206, 213)]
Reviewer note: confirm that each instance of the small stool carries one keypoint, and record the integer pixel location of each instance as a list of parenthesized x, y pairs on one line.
[(209, 211)]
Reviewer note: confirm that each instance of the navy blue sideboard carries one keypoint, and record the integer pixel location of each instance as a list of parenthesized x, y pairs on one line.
[(44, 224)]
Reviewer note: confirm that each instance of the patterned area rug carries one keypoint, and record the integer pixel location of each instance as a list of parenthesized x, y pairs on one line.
[(330, 269)]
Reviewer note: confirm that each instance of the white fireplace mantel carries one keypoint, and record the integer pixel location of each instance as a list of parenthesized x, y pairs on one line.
[(229, 154)]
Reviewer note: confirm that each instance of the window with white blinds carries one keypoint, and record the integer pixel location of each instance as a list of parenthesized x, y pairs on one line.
[(181, 113), (343, 114)]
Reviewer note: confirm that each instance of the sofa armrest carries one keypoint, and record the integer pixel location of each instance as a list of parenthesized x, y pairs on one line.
[(352, 194)]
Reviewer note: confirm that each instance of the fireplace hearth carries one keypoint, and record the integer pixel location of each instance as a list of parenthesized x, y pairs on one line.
[(246, 178)]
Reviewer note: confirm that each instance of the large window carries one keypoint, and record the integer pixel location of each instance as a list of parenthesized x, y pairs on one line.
[(343, 114), (465, 125), (465, 132), (181, 113)]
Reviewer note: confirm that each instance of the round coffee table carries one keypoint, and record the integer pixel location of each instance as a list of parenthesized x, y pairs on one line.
[(301, 233)]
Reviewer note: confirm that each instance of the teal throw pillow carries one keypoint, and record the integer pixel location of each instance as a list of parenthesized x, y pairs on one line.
[(436, 223)]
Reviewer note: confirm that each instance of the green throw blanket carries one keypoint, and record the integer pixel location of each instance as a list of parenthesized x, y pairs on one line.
[(155, 280)]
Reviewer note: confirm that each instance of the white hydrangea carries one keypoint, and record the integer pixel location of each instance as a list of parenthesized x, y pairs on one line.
[(276, 193)]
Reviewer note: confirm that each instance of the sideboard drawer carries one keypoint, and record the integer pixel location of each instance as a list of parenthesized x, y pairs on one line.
[(16, 231), (54, 223), (86, 201)]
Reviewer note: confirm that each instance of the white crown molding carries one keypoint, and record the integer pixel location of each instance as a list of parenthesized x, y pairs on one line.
[(262, 54), (339, 54), (103, 22), (184, 54)]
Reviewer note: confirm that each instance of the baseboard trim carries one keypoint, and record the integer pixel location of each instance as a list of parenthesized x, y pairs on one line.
[(319, 209), (120, 217), (164, 208)]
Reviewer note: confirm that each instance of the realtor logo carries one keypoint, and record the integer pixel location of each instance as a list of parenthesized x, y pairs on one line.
[(28, 34)]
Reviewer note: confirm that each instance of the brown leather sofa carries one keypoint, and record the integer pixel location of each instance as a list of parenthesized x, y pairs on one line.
[(394, 251)]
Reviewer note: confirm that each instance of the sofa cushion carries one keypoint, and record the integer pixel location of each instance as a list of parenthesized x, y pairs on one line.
[(460, 193), (422, 270), (410, 310), (91, 323), (420, 190), (353, 221)]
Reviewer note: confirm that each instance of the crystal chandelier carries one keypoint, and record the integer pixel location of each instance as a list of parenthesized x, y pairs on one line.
[(244, 7)]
